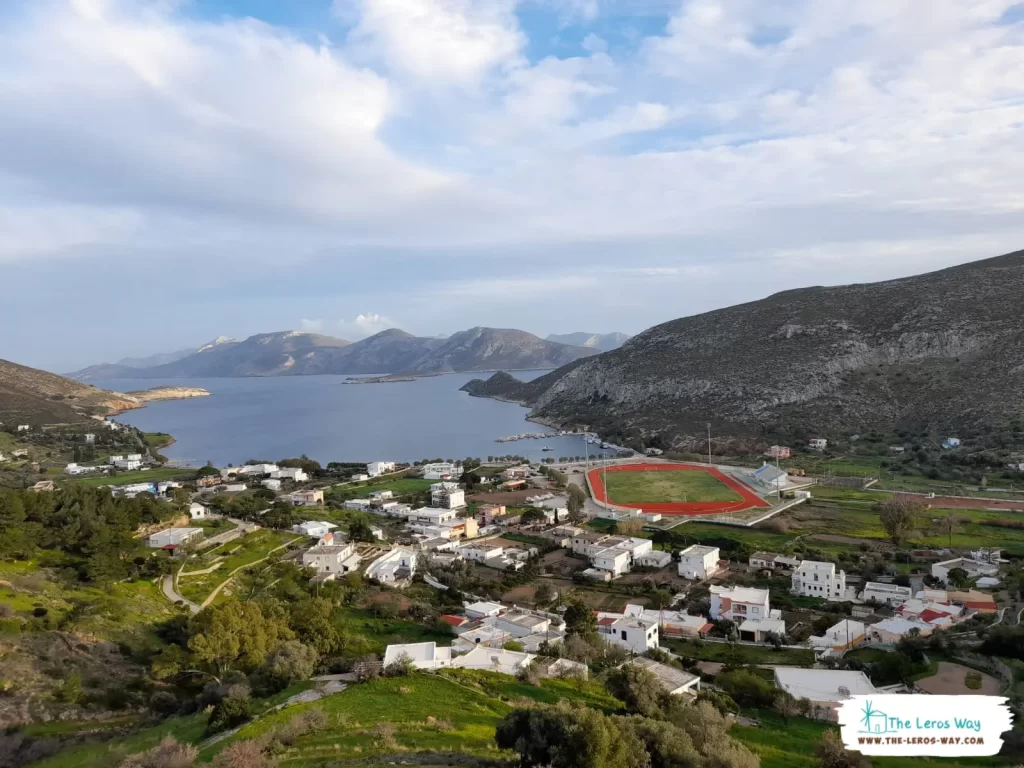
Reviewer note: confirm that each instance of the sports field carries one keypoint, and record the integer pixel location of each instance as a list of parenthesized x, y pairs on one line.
[(672, 489), (648, 487)]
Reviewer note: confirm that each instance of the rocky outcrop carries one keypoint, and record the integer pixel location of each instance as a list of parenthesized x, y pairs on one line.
[(167, 393), (930, 353), (34, 397)]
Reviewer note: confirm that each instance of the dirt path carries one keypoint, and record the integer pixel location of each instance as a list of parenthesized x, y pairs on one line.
[(210, 598), (172, 594), (949, 679)]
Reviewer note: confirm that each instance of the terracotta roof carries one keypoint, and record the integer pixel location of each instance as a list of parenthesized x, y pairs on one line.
[(607, 621), (929, 615), (455, 621)]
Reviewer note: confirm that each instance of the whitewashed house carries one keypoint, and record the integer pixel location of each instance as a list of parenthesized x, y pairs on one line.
[(332, 558), (840, 637), (813, 578), (483, 609), (172, 538), (398, 565), (888, 594), (676, 681), (817, 444), (421, 655), (259, 470), (295, 474), (656, 558), (614, 561), (197, 511), (378, 468), (699, 562), (447, 496), (974, 568), (825, 688), (633, 634), (271, 483), (314, 528)]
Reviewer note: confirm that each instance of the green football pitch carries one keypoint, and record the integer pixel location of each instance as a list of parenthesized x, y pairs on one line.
[(666, 486)]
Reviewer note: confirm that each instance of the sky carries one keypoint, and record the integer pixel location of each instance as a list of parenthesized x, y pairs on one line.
[(175, 170)]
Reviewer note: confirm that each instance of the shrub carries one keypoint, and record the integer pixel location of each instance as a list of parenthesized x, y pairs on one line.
[(167, 754), (163, 703), (229, 713), (973, 680)]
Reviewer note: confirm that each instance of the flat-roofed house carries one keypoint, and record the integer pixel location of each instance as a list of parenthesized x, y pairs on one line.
[(422, 655), (698, 562), (676, 681), (824, 688)]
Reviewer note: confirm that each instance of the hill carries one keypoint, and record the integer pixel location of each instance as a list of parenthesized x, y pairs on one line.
[(603, 342), (932, 353), (390, 351), (31, 396)]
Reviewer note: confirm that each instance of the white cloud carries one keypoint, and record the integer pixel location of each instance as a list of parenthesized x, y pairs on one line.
[(446, 41), (364, 325)]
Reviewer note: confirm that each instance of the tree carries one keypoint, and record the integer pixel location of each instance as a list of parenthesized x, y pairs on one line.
[(568, 737), (638, 689), (167, 754), (236, 635), (243, 754), (630, 527), (544, 593), (949, 525), (667, 745), (231, 711), (899, 517), (580, 621), (290, 662), (359, 530), (959, 577), (746, 688), (832, 754), (533, 515), (574, 506)]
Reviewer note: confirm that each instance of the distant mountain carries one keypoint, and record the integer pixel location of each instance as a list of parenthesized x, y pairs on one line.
[(603, 342), (391, 351), (34, 397), (120, 370), (933, 354)]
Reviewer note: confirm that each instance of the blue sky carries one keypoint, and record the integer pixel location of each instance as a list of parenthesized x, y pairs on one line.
[(174, 170)]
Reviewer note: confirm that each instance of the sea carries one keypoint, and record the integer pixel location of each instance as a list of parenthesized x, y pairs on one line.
[(273, 418)]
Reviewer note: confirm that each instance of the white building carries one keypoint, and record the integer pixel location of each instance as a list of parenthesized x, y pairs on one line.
[(75, 469), (381, 495), (422, 655), (841, 637), (441, 470), (397, 565), (295, 474), (172, 538), (314, 528), (359, 505), (738, 603), (633, 634), (656, 558), (699, 562), (310, 498), (494, 660), (257, 470), (772, 561), (359, 477), (813, 578), (432, 516), (271, 483), (377, 531), (127, 463), (676, 681), (90, 438), (974, 568), (332, 558), (134, 489), (770, 476), (447, 496), (378, 468), (890, 631), (825, 688), (24, 427), (481, 610), (197, 511), (614, 561), (889, 594), (818, 444)]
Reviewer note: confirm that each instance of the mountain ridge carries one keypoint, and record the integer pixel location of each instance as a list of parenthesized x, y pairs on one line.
[(389, 351), (604, 342), (938, 351)]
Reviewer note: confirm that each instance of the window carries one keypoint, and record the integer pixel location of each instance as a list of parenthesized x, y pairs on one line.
[(623, 634)]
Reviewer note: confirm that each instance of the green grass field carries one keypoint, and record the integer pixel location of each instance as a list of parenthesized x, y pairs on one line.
[(400, 486), (741, 654), (142, 476), (659, 487), (234, 554)]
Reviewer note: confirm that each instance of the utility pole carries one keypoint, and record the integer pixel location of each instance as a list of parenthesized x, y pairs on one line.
[(709, 443)]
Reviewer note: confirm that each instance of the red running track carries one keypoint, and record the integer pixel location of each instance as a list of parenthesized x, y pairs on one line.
[(688, 508)]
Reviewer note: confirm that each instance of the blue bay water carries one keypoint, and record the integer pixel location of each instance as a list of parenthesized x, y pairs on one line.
[(320, 416)]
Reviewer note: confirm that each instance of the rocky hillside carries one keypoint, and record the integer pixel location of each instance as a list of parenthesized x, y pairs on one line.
[(602, 342), (31, 396), (933, 353), (391, 351)]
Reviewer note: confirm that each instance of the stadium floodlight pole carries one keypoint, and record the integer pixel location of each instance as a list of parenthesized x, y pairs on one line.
[(709, 443)]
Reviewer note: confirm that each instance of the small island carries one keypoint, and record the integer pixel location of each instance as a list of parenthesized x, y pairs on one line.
[(167, 393), (378, 379)]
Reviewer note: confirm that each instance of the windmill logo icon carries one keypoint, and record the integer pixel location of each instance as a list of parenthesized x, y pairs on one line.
[(873, 720)]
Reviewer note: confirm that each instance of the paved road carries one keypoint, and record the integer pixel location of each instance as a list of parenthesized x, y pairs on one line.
[(174, 597)]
